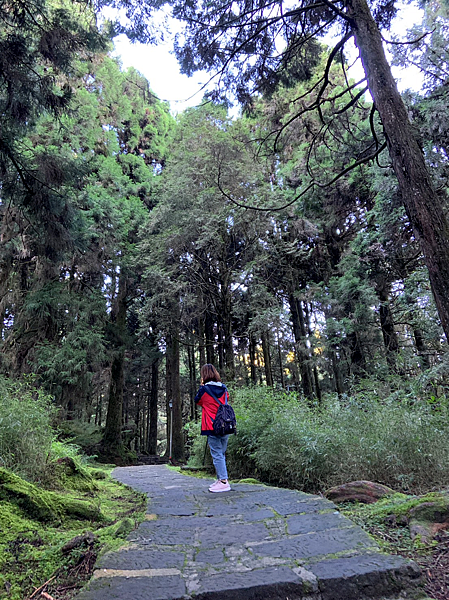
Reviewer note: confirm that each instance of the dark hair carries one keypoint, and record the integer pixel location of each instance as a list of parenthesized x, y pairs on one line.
[(209, 373)]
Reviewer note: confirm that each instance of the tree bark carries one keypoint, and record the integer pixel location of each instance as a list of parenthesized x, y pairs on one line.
[(228, 342), (112, 439), (387, 326), (209, 331), (336, 372), (152, 431), (267, 360), (421, 348), (192, 376), (174, 395), (252, 358), (281, 366), (358, 361), (299, 335), (423, 205), (201, 349)]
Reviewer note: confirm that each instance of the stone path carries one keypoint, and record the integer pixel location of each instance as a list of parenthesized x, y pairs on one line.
[(253, 543)]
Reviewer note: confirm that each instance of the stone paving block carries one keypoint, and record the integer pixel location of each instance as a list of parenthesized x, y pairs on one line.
[(135, 588), (210, 557), (261, 514), (233, 534), (181, 510), (316, 522), (141, 559), (292, 507), (371, 574), (275, 582), (316, 544), (217, 510), (158, 533)]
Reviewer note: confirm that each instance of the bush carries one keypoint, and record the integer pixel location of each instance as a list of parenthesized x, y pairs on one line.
[(84, 435), (25, 428), (286, 441)]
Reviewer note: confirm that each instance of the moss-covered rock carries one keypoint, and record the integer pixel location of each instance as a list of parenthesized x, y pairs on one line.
[(429, 517), (37, 503), (125, 526), (73, 476), (423, 515), (44, 505), (367, 492)]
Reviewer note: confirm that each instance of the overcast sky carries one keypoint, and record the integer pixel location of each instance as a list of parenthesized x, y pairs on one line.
[(161, 69)]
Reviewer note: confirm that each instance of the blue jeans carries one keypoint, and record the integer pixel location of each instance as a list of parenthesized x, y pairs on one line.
[(217, 446)]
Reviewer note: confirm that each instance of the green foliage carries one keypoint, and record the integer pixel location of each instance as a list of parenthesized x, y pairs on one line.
[(284, 440), (25, 428), (79, 434)]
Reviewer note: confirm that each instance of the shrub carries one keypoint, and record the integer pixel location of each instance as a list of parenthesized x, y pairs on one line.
[(25, 428), (84, 435), (286, 441)]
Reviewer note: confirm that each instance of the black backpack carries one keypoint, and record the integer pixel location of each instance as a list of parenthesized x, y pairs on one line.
[(225, 421)]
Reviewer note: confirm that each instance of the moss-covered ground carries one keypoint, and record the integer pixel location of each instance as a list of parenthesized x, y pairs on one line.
[(36, 526)]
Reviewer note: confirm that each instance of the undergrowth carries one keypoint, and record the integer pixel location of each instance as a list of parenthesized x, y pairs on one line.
[(285, 440), (51, 494), (31, 549)]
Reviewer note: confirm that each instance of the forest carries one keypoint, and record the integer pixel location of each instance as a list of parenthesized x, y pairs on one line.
[(301, 246)]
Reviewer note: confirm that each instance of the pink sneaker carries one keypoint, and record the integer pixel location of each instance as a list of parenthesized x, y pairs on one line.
[(219, 486)]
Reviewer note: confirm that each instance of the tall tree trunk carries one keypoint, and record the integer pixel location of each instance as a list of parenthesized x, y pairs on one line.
[(358, 360), (201, 349), (252, 358), (152, 431), (267, 359), (210, 338), (192, 377), (421, 348), (173, 390), (228, 340), (388, 331), (220, 345), (317, 384), (314, 369), (112, 439), (281, 366), (423, 205), (299, 334), (337, 372), (139, 421)]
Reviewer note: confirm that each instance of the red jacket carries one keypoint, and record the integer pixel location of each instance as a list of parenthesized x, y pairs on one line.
[(208, 397)]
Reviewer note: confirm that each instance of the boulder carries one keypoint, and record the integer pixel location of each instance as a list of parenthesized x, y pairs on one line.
[(367, 492), (427, 518)]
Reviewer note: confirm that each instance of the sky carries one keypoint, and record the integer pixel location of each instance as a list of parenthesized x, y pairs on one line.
[(160, 66)]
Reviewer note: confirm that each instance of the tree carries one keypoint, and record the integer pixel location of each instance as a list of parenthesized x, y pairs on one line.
[(68, 276), (239, 42)]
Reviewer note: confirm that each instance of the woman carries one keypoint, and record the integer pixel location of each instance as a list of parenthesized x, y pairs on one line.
[(211, 394)]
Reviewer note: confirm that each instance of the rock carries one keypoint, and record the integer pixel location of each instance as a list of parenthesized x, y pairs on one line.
[(36, 503), (427, 518), (125, 526), (367, 492), (44, 505)]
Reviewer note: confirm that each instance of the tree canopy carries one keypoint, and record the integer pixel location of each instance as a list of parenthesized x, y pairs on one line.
[(302, 245)]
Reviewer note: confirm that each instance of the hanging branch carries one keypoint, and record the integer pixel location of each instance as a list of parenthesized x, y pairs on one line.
[(365, 158)]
